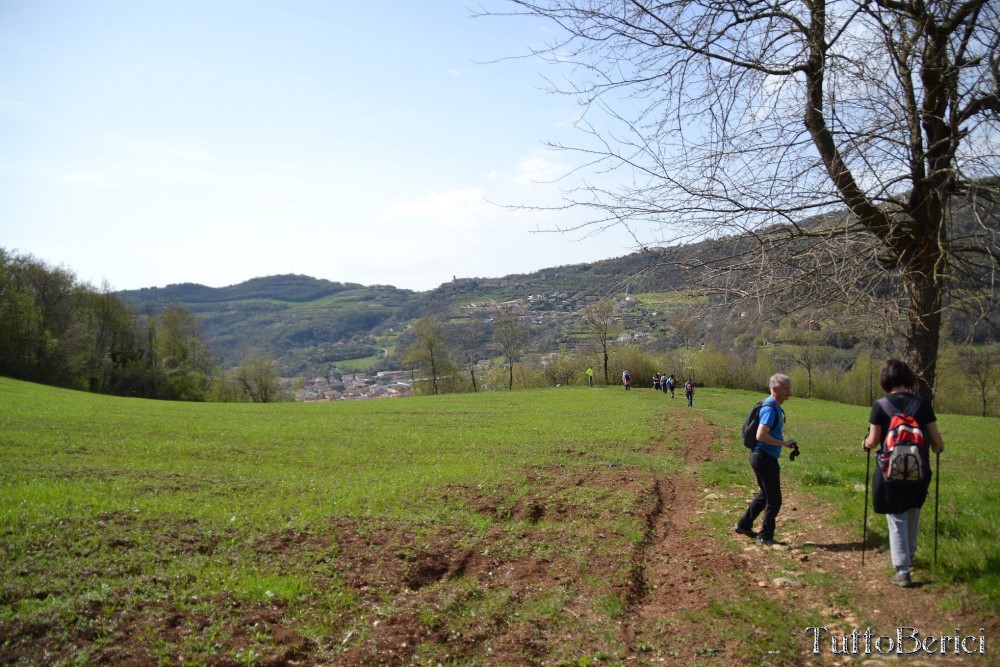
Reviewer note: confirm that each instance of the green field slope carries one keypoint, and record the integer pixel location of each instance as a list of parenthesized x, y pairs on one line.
[(473, 529)]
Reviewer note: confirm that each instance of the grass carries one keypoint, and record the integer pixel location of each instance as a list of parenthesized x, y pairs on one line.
[(245, 534), (113, 508), (360, 364)]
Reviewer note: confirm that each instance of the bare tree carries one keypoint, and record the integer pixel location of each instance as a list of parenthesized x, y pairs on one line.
[(509, 334), (873, 345), (599, 318), (983, 367), (257, 376), (806, 353), (768, 119), (686, 323), (468, 339), (429, 350)]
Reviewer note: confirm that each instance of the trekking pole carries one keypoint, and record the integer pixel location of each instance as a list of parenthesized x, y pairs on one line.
[(937, 497), (864, 533)]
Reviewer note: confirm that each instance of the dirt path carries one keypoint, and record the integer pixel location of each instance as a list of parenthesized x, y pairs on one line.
[(681, 571)]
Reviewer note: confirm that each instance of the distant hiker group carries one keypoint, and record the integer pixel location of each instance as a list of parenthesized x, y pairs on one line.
[(904, 428), (662, 382)]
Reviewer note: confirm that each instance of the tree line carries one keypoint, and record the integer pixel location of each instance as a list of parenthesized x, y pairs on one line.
[(55, 330), (824, 361)]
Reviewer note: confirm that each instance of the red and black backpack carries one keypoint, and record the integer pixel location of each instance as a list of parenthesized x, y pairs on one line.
[(903, 457)]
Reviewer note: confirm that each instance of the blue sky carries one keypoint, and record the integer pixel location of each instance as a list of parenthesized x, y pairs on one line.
[(149, 142)]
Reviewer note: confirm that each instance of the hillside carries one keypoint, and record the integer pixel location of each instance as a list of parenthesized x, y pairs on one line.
[(287, 287), (307, 322), (298, 319)]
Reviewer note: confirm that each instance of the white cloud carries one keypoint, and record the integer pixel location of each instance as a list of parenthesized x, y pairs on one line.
[(569, 122), (455, 206), (85, 178), (538, 168)]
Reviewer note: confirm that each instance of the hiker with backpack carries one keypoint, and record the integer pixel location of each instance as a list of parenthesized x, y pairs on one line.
[(626, 380), (902, 425), (689, 392), (766, 442)]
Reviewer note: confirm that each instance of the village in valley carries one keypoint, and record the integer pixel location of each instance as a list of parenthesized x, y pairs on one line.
[(352, 386), (344, 385)]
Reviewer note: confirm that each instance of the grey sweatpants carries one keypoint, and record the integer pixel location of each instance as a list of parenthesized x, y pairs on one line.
[(903, 529)]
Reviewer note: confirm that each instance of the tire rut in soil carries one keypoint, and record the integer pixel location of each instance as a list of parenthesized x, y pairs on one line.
[(646, 582), (669, 571), (637, 587)]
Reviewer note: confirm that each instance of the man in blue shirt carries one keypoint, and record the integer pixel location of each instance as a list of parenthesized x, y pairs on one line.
[(764, 461)]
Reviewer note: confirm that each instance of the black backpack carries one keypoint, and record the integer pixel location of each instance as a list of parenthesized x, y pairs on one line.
[(751, 424)]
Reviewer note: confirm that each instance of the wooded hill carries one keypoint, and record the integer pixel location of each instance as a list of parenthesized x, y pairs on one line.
[(306, 322)]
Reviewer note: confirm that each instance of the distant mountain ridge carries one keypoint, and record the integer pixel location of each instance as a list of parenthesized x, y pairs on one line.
[(306, 322), (283, 287)]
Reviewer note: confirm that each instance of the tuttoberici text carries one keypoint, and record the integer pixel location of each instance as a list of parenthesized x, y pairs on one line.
[(905, 641)]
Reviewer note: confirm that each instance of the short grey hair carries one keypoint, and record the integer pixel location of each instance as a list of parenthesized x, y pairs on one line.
[(778, 379)]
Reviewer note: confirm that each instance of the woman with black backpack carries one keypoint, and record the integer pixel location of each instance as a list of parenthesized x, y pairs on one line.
[(901, 424)]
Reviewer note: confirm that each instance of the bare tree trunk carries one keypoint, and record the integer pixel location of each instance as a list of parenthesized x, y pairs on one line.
[(509, 334), (434, 372), (923, 330), (604, 348)]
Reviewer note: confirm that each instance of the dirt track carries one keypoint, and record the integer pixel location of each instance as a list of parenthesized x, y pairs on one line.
[(683, 571)]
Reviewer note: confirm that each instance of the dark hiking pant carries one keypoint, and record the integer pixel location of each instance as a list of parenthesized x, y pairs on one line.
[(768, 499)]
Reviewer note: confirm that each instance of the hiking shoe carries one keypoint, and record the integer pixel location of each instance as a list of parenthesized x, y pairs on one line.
[(749, 532), (770, 542), (902, 579)]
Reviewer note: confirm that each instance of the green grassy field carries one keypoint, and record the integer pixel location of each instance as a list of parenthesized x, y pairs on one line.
[(305, 533)]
